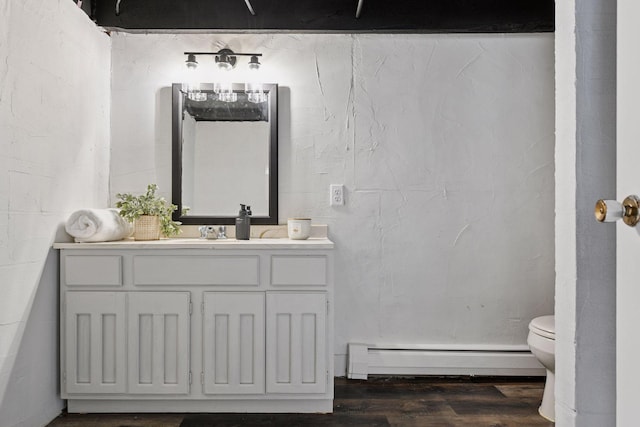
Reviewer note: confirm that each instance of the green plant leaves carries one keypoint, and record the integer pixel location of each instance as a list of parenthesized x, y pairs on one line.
[(132, 207)]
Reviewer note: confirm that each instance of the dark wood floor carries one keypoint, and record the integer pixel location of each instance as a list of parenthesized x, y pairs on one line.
[(424, 401)]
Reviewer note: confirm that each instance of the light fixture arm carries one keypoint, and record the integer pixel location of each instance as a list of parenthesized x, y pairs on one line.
[(223, 52)]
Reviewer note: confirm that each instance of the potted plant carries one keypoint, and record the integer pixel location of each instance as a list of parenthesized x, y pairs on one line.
[(150, 214)]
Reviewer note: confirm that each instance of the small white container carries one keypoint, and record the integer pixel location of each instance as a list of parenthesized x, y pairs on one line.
[(299, 228)]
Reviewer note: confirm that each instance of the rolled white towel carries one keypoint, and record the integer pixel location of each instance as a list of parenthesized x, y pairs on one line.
[(98, 225)]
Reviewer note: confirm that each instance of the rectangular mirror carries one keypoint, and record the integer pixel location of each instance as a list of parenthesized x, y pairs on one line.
[(224, 154)]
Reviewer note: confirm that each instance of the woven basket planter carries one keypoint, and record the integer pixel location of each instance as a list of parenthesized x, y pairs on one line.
[(147, 227)]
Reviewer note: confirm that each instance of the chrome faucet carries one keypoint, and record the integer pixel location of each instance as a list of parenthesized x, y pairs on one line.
[(208, 232)]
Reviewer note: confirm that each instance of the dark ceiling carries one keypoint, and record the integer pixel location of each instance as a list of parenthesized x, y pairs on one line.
[(414, 16)]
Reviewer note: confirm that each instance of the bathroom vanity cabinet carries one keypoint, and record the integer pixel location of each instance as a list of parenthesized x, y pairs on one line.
[(188, 325)]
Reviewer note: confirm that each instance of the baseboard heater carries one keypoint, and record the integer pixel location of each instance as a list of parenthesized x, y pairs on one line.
[(365, 359)]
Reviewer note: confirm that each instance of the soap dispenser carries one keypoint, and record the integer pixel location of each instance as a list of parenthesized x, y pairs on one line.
[(243, 223)]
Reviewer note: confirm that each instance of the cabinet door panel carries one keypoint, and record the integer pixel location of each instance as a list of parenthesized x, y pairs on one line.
[(158, 325), (95, 342), (234, 334), (296, 342)]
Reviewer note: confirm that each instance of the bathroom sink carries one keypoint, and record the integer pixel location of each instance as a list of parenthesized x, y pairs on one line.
[(195, 240)]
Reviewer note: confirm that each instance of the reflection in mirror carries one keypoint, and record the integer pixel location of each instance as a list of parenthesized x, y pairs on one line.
[(219, 141), (224, 154)]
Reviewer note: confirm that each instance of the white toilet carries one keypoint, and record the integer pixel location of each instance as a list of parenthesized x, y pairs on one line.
[(542, 342)]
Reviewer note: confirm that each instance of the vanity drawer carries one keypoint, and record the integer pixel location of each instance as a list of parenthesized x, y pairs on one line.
[(196, 270), (298, 270), (93, 270)]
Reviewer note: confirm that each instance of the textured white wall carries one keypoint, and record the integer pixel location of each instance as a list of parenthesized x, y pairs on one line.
[(54, 155), (445, 144)]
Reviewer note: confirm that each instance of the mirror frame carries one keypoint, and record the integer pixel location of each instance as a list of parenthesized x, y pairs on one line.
[(176, 162)]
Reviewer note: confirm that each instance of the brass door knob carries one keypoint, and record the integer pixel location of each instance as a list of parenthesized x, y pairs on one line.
[(610, 210)]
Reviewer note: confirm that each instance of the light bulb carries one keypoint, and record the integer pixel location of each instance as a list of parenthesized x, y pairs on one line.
[(256, 98), (192, 84), (255, 92), (253, 63), (225, 92), (253, 88), (225, 60), (225, 66), (191, 62), (228, 97), (197, 95)]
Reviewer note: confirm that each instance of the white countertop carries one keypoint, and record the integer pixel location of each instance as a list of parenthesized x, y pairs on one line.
[(195, 243)]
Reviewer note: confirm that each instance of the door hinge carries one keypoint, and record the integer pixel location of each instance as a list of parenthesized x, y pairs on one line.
[(190, 308), (190, 377), (327, 377), (202, 378), (327, 306)]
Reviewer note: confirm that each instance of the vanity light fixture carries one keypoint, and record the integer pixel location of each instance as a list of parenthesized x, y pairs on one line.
[(226, 60), (191, 62), (254, 64), (253, 88), (193, 87)]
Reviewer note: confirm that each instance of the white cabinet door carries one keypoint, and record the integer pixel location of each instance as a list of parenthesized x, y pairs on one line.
[(95, 344), (296, 342), (158, 337), (233, 341)]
